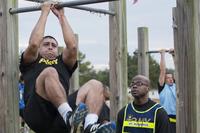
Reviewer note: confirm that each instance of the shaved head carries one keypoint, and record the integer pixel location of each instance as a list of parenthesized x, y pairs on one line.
[(142, 78)]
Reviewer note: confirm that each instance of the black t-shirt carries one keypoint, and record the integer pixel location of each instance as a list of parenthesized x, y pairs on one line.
[(160, 88), (32, 70), (162, 120)]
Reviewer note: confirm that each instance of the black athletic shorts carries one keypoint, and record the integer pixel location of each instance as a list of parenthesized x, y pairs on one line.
[(43, 117)]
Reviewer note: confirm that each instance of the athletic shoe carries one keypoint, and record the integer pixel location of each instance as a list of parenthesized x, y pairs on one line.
[(109, 127), (78, 115)]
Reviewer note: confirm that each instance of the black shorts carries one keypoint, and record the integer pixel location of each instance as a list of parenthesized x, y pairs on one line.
[(43, 117)]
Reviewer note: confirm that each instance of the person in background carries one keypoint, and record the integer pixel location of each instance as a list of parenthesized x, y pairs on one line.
[(21, 103), (21, 93), (167, 90), (142, 115)]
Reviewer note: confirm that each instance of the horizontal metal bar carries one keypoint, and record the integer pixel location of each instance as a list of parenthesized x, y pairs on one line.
[(151, 52), (83, 8), (62, 4), (38, 1), (94, 10), (155, 51)]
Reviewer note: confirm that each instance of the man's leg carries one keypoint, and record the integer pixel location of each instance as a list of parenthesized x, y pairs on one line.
[(49, 87), (92, 93)]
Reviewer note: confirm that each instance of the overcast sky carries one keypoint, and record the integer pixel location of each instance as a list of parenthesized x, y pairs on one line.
[(93, 28)]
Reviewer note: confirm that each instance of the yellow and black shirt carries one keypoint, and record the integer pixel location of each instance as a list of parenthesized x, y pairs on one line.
[(147, 118)]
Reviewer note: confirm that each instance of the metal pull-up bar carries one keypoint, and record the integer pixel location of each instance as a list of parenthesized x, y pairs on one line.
[(71, 4), (151, 52), (94, 10)]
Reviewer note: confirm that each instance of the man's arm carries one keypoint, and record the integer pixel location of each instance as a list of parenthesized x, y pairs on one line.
[(31, 53), (162, 68), (70, 52)]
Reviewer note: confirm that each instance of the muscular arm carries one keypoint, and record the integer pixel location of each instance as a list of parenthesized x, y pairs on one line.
[(162, 68), (31, 53), (70, 51)]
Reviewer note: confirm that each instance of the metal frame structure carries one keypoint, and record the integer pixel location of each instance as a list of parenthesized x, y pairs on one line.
[(71, 4)]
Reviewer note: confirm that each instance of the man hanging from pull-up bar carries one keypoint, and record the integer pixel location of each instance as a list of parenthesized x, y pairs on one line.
[(167, 90), (48, 108)]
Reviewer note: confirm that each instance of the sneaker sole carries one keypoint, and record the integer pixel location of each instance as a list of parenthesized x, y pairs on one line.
[(107, 128), (79, 114)]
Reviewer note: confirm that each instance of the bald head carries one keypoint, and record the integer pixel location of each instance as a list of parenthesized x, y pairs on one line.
[(141, 78)]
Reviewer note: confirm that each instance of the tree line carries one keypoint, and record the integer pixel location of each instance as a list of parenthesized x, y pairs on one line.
[(87, 71)]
